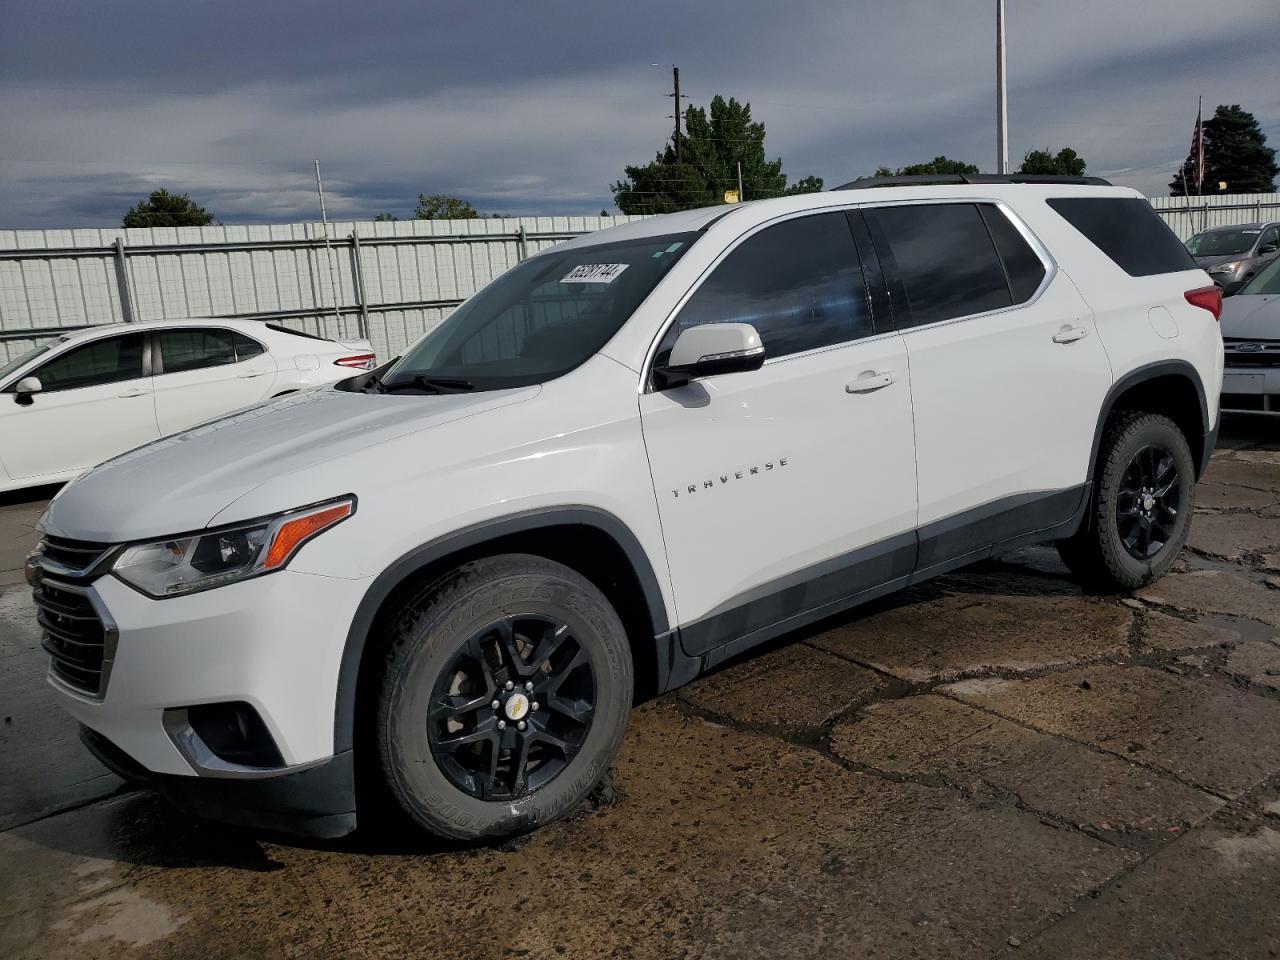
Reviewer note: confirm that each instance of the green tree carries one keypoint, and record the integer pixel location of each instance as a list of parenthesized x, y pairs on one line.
[(1065, 163), (712, 145), (385, 218), (938, 165), (165, 209), (437, 206), (1235, 153)]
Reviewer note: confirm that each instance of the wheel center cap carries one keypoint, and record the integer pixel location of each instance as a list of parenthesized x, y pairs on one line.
[(1148, 502), (516, 707)]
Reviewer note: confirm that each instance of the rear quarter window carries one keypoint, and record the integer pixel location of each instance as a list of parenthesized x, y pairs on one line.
[(1128, 231)]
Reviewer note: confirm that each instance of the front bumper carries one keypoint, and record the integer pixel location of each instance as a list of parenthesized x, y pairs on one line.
[(1251, 389), (273, 643)]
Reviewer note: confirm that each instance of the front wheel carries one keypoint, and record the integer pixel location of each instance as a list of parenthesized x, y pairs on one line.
[(504, 698), (1140, 511)]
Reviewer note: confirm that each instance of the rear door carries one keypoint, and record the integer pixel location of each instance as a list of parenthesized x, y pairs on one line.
[(789, 489), (1007, 373), (94, 403), (204, 372)]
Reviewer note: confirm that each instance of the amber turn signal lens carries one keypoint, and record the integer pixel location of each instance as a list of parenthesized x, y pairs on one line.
[(294, 533)]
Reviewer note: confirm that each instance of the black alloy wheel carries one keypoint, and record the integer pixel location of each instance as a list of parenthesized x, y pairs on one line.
[(512, 708), (1148, 502)]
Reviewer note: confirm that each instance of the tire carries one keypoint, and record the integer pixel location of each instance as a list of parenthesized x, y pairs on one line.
[(515, 619), (1139, 514)]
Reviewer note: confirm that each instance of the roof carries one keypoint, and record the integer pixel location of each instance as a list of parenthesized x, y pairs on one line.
[(1256, 225), (103, 329)]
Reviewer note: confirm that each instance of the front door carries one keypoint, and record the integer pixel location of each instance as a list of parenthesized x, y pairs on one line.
[(95, 402), (785, 491)]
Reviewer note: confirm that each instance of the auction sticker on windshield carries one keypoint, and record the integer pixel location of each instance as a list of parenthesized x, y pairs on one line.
[(594, 273)]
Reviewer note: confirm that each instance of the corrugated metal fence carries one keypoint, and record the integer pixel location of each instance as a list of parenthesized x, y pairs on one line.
[(393, 281)]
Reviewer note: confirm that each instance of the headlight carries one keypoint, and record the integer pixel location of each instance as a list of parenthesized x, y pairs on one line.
[(166, 568), (1224, 267)]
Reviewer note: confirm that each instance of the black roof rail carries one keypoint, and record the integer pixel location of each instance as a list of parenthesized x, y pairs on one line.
[(944, 179)]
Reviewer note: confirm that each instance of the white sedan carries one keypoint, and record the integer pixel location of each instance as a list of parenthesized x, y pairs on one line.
[(70, 403)]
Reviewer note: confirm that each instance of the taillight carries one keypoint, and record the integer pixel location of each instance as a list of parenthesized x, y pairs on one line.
[(367, 361), (1207, 298)]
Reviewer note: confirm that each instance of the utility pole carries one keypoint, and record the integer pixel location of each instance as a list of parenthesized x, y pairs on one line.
[(741, 198), (333, 270), (675, 77), (1002, 103)]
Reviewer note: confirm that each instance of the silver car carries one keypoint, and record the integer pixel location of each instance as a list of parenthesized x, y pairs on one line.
[(1234, 255), (1251, 338)]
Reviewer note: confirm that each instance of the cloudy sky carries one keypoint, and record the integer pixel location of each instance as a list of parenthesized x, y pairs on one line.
[(534, 106)]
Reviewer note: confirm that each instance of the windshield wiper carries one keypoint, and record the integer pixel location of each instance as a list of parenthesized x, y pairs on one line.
[(431, 385)]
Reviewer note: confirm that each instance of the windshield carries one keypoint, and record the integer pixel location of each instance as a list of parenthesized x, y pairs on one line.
[(23, 358), (1222, 243), (1267, 280), (539, 320)]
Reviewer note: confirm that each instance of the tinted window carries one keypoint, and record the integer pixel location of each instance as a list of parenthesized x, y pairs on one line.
[(1023, 267), (944, 257), (1128, 231), (798, 283), (104, 361), (193, 349), (1270, 238), (246, 347)]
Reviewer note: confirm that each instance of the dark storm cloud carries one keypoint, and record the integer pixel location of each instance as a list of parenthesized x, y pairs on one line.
[(536, 106)]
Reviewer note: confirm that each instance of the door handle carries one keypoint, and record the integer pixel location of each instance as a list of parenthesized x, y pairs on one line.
[(135, 392), (250, 374), (869, 381), (1070, 334)]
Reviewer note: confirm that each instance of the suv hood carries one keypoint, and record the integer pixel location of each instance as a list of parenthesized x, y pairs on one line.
[(182, 482), (1206, 262), (1251, 317)]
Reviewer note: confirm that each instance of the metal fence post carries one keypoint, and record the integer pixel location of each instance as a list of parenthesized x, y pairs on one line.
[(357, 265), (522, 243), (122, 282)]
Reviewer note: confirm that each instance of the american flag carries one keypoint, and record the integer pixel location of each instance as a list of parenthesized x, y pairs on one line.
[(1197, 149)]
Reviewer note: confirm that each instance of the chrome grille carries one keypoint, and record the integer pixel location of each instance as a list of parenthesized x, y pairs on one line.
[(80, 643), (1252, 353), (72, 558)]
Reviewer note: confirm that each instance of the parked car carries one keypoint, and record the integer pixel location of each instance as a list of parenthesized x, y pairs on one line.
[(1251, 338), (1234, 255), (631, 457), (86, 396)]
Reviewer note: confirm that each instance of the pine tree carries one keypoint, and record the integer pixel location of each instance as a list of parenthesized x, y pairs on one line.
[(1235, 153)]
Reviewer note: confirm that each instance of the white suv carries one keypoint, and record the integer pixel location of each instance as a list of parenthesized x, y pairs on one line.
[(630, 457)]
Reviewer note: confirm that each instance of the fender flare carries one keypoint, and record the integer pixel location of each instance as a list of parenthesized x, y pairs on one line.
[(1150, 371), (465, 538)]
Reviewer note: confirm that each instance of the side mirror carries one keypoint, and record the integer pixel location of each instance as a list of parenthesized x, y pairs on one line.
[(708, 350), (1267, 248), (25, 389)]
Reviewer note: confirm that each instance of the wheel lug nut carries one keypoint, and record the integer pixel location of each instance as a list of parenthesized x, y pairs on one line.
[(510, 685), (495, 704), (528, 685), (533, 707), (521, 725), (502, 724)]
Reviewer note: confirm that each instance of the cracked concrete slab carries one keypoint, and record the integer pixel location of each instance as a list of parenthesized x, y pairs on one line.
[(723, 835), (971, 626), (1233, 536), (1224, 496), (1203, 732), (1212, 591), (932, 736), (1210, 896), (1159, 631), (1239, 471), (1256, 661), (794, 690)]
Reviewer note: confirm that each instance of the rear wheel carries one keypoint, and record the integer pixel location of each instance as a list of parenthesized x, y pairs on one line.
[(504, 698), (1141, 505)]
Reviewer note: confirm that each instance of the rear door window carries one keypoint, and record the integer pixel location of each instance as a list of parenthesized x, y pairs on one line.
[(194, 349), (944, 259), (109, 360), (1128, 231), (246, 347), (1022, 265), (799, 283)]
